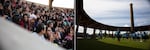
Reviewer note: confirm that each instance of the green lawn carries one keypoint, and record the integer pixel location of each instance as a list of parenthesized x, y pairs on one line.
[(111, 44)]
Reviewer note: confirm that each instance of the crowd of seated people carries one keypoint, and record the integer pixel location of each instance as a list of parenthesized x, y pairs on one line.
[(58, 22)]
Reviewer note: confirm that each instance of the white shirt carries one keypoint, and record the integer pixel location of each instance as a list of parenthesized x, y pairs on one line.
[(33, 16)]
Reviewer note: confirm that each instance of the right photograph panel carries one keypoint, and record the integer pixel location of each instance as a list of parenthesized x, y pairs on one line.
[(112, 24)]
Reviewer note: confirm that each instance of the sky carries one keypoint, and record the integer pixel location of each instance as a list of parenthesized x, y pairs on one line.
[(117, 12), (56, 3)]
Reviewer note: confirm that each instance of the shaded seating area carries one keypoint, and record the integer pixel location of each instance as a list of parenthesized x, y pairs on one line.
[(84, 20)]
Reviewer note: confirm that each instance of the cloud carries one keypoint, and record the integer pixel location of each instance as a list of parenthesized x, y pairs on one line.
[(126, 25), (64, 3), (45, 2), (117, 12), (56, 3)]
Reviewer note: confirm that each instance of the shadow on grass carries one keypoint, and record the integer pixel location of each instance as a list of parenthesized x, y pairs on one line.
[(85, 44)]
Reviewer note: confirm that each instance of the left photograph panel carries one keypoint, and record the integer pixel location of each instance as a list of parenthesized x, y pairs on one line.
[(37, 24)]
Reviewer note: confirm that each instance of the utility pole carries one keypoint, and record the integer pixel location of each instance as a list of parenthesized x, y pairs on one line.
[(131, 18), (50, 4)]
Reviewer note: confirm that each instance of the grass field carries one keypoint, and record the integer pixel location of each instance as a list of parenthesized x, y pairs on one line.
[(111, 44)]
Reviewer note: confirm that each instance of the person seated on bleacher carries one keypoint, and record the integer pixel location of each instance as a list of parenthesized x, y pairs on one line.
[(69, 40), (49, 35), (40, 31), (57, 36), (1, 10), (24, 22)]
